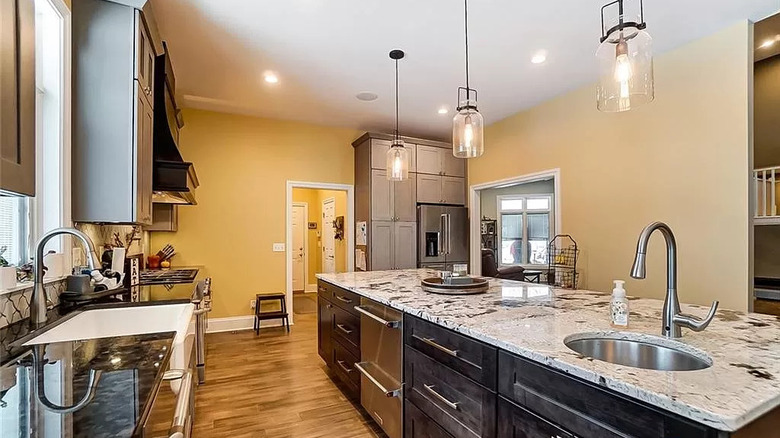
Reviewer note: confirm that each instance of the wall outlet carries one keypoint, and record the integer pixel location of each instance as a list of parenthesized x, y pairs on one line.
[(278, 247), (252, 304)]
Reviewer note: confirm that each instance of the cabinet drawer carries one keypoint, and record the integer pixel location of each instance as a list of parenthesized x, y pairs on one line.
[(346, 329), (469, 357), (458, 404), (345, 299), (583, 408), (344, 366), (517, 422), (323, 290), (419, 425)]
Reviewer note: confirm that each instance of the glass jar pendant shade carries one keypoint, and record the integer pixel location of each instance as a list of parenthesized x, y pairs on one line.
[(468, 139), (625, 61), (397, 155)]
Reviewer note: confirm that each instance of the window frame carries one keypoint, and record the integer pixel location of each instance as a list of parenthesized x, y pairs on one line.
[(525, 212)]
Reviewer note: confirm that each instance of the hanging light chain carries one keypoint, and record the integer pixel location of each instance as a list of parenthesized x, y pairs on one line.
[(466, 27), (397, 132)]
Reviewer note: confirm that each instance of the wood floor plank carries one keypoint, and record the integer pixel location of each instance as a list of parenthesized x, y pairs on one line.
[(274, 386)]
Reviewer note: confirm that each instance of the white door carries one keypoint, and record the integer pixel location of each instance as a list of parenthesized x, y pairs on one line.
[(298, 249), (328, 237)]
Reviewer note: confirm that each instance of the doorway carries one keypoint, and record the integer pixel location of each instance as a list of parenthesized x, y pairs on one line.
[(328, 235), (319, 239)]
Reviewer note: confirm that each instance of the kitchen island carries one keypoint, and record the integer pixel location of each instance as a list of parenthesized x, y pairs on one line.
[(526, 324)]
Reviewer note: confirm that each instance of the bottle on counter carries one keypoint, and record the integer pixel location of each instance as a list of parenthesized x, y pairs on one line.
[(619, 305)]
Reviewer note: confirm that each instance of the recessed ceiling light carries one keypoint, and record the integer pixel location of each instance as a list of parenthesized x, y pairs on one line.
[(443, 110), (539, 57), (270, 77), (367, 96)]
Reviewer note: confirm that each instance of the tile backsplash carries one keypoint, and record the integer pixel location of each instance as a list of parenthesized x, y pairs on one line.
[(15, 306)]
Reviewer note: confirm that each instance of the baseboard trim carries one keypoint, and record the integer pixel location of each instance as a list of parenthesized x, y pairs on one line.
[(237, 323), (310, 288)]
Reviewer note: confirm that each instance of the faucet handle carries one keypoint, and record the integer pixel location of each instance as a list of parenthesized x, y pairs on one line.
[(695, 323)]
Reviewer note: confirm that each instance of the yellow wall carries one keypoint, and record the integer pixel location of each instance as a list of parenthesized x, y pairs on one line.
[(314, 198), (682, 159), (243, 164)]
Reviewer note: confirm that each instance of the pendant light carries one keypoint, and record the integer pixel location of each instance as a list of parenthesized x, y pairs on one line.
[(397, 155), (468, 140), (625, 59)]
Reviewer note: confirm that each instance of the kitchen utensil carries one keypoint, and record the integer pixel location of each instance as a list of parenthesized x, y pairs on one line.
[(166, 252), (78, 283)]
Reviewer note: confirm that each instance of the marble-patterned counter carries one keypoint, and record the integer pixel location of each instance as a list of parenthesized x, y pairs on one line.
[(533, 320)]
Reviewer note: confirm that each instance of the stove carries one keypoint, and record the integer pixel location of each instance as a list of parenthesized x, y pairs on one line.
[(168, 276)]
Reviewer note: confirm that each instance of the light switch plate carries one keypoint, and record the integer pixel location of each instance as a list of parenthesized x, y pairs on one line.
[(278, 247)]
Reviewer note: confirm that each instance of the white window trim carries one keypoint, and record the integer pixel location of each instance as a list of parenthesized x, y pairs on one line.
[(524, 211)]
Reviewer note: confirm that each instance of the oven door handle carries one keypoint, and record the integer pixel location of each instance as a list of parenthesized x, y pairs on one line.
[(183, 408), (384, 322)]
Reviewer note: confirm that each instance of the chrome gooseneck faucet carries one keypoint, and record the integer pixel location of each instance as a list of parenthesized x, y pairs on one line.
[(38, 311), (673, 319)]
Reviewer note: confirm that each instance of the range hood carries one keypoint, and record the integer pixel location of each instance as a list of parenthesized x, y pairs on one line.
[(174, 180)]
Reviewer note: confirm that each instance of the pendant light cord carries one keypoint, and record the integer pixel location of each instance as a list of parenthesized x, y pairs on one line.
[(397, 135), (466, 26)]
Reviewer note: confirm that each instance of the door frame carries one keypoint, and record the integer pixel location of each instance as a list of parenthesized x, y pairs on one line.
[(322, 206), (305, 206), (349, 224), (475, 209)]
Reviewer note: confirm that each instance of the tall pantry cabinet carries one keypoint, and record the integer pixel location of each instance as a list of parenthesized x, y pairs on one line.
[(389, 208)]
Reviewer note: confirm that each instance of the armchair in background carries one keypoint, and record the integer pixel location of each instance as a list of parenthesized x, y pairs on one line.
[(490, 268)]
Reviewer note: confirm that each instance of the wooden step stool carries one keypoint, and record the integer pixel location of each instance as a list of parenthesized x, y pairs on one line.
[(276, 314)]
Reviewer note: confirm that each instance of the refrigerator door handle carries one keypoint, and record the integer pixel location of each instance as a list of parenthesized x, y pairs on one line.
[(449, 234), (444, 235)]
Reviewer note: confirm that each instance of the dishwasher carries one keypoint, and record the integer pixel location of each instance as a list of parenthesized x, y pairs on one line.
[(380, 365)]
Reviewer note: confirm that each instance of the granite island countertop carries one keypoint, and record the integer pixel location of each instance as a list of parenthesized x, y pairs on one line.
[(532, 321)]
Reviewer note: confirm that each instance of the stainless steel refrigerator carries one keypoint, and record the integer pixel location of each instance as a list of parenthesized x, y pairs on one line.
[(443, 238)]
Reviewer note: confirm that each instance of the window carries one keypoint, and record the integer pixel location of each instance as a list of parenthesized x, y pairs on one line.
[(21, 219), (525, 224)]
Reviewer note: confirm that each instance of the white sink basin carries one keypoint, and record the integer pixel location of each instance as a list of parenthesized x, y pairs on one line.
[(126, 321)]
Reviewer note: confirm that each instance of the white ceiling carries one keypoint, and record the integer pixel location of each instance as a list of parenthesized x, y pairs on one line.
[(326, 51)]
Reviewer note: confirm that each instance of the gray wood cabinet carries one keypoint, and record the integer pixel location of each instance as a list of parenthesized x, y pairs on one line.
[(389, 208), (437, 189), (112, 138), (165, 217), (17, 97), (434, 160)]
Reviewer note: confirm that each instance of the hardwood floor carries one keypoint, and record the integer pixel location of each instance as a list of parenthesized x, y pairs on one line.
[(274, 386)]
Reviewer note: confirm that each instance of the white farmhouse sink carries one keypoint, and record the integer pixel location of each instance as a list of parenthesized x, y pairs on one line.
[(126, 321)]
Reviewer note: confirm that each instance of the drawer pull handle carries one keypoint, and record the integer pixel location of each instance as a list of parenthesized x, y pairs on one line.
[(384, 322), (344, 367), (434, 344), (343, 299), (429, 388), (343, 329), (388, 392)]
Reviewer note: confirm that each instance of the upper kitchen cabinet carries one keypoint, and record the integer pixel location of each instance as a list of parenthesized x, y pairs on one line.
[(379, 148), (17, 97), (438, 160)]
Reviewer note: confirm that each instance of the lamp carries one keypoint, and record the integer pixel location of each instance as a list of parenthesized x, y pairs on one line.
[(625, 59), (468, 140), (397, 155)]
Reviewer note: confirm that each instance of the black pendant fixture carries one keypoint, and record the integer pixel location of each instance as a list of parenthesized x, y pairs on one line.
[(625, 61), (397, 155), (468, 140)]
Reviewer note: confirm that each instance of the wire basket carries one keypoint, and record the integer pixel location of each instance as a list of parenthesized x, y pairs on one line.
[(562, 253)]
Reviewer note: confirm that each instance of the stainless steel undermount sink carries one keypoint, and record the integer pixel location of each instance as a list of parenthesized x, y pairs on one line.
[(639, 351)]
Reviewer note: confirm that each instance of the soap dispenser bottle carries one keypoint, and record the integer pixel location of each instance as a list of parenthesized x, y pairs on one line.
[(619, 305)]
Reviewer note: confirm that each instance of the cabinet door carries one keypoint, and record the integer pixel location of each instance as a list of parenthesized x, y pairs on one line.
[(453, 166), (324, 330), (379, 150), (381, 245), (429, 189), (405, 200), (517, 422), (17, 96), (453, 190), (143, 159), (405, 245), (144, 58), (381, 196), (429, 160)]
